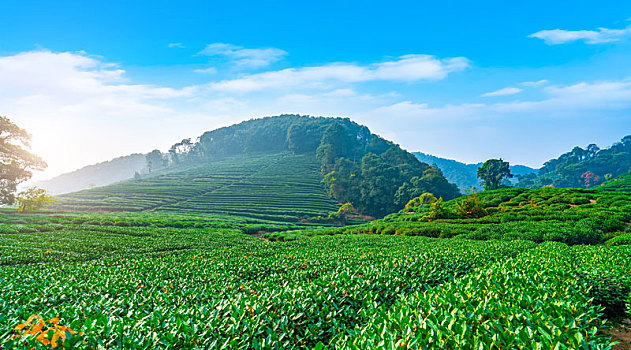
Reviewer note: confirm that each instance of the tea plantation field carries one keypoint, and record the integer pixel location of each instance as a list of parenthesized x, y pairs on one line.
[(273, 187), (85, 283), (572, 216)]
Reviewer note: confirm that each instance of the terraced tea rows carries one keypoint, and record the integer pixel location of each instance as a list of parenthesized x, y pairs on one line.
[(280, 187), (284, 191), (572, 216)]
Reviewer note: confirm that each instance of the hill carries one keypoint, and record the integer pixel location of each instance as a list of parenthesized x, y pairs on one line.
[(95, 175), (286, 168), (278, 187), (619, 184), (465, 175), (571, 216), (588, 167)]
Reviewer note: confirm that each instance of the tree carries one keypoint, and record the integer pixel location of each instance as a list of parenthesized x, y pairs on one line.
[(470, 206), (16, 163), (155, 160), (590, 179), (492, 172), (34, 199), (425, 198)]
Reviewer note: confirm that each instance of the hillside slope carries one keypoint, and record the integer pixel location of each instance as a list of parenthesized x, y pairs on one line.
[(465, 175), (95, 175), (285, 168), (572, 216), (280, 186), (621, 183)]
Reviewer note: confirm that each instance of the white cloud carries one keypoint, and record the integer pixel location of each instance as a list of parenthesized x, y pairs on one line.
[(405, 68), (81, 109), (176, 45), (534, 83), (503, 92), (209, 70), (78, 107), (242, 57), (560, 36)]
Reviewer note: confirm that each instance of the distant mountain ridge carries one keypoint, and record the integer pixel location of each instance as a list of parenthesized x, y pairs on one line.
[(465, 175), (95, 175)]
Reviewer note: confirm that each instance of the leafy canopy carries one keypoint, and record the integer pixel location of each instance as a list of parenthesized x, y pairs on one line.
[(16, 163), (34, 199), (492, 172)]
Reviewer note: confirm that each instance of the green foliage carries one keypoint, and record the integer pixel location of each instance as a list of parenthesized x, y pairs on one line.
[(34, 199), (465, 175), (126, 283), (470, 207), (438, 210), (384, 180), (623, 239), (492, 172), (583, 167), (619, 184), (425, 198), (213, 174), (16, 163), (534, 301), (135, 287), (266, 187), (572, 216), (156, 161)]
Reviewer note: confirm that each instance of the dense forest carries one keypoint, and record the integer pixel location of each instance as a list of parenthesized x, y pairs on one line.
[(583, 167), (375, 175)]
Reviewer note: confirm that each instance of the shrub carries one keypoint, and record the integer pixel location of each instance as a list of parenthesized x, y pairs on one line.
[(623, 239), (470, 207)]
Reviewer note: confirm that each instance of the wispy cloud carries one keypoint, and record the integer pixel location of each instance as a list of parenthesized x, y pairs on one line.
[(209, 70), (70, 98), (405, 68), (176, 45), (503, 92), (599, 36), (242, 57), (534, 83)]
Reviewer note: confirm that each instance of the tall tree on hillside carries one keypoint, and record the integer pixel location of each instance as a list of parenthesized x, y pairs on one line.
[(16, 163), (155, 160), (492, 172)]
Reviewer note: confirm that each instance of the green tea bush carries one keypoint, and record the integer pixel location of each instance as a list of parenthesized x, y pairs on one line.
[(531, 302), (623, 239), (181, 288)]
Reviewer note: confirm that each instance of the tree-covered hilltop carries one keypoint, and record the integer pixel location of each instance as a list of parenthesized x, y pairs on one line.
[(375, 175), (580, 167)]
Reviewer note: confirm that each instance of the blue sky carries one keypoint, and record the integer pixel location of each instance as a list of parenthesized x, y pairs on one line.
[(464, 80)]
